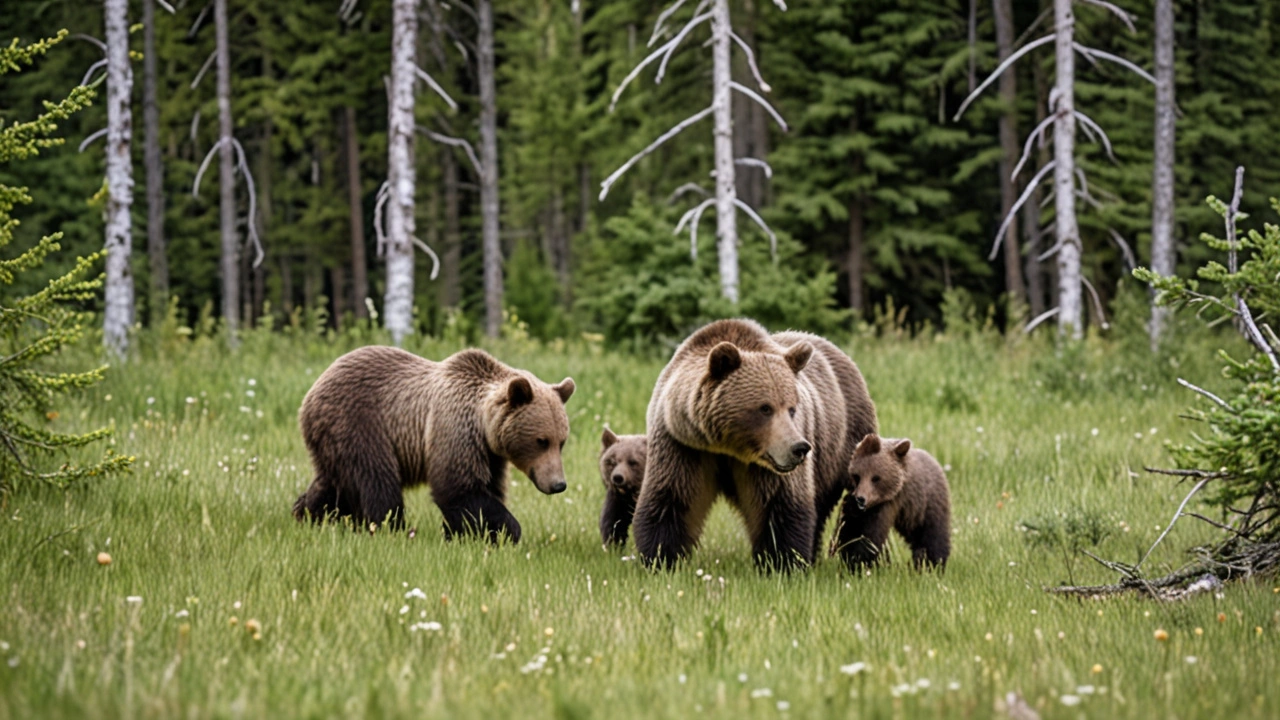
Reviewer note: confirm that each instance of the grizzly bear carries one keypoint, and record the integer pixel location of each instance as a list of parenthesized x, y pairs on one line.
[(769, 422), (622, 460), (897, 486), (380, 420)]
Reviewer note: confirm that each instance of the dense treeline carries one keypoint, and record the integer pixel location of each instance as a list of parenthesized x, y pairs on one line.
[(876, 193)]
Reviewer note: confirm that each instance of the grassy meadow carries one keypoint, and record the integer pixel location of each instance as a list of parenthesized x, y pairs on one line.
[(204, 551)]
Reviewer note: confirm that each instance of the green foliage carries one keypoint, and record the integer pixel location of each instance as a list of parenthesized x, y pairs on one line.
[(35, 327)]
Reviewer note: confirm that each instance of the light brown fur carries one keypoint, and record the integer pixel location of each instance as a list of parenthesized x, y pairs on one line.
[(897, 486), (381, 419), (736, 413)]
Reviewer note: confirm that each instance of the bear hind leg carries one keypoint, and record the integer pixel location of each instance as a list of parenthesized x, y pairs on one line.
[(930, 547), (318, 503)]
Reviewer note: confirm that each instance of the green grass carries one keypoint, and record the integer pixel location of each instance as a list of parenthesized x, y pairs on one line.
[(202, 533)]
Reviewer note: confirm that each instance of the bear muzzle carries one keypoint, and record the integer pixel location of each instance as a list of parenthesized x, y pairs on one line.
[(548, 483), (791, 458), (861, 502)]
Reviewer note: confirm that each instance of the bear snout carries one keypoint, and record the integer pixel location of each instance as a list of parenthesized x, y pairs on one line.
[(553, 486), (618, 479), (556, 488), (861, 501), (800, 450)]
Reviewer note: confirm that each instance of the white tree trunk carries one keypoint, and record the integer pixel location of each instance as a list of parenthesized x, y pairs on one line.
[(159, 261), (398, 304), (726, 186), (119, 285), (489, 209), (1070, 290), (226, 180), (1163, 255)]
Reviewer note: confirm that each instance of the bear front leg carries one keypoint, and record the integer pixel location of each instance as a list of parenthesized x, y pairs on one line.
[(862, 534), (616, 517), (482, 515), (675, 497), (783, 538)]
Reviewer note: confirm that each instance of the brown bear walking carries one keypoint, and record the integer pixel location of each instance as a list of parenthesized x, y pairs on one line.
[(622, 461), (381, 419), (896, 486), (770, 422)]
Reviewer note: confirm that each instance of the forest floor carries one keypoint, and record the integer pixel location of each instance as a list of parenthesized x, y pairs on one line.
[(202, 543)]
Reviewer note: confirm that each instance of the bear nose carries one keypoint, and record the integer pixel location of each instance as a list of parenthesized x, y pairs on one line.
[(618, 479), (862, 502), (557, 487), (801, 449)]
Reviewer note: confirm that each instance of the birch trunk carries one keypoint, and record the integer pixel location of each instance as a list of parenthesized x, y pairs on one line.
[(230, 264), (355, 199), (489, 174), (398, 305), (158, 260), (726, 190), (1003, 11), (1163, 255), (1070, 298), (119, 285)]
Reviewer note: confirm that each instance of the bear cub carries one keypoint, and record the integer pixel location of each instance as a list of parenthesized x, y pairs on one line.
[(622, 460), (897, 486)]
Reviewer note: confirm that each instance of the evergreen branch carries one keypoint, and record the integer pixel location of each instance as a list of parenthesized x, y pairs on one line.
[(763, 103), (89, 140), (431, 83), (1013, 57), (1125, 17), (675, 42), (751, 61), (755, 162), (1089, 53), (1022, 199), (609, 181), (751, 213)]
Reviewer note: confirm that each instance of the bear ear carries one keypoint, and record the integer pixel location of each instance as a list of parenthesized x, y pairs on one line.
[(902, 448), (724, 359), (519, 392), (798, 356), (870, 445), (608, 438), (565, 389)]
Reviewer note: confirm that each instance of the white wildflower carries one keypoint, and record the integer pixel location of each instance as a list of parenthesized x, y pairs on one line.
[(761, 693), (1069, 700), (854, 668), (415, 593)]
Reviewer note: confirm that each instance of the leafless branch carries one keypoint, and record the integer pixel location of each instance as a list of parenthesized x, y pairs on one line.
[(609, 181), (208, 63), (253, 202), (195, 125), (1125, 17), (1219, 401), (379, 231), (167, 7), (1013, 57), (1246, 315), (345, 10), (199, 19), (635, 71), (1034, 24), (751, 213), (693, 215), (755, 162), (1013, 211), (1097, 302), (1050, 252), (751, 61), (1169, 527), (763, 103), (92, 69), (435, 86), (659, 25), (90, 39), (1026, 147), (1039, 319), (204, 165), (782, 5), (89, 140), (1088, 123), (1129, 258), (1090, 53), (687, 188), (456, 142), (435, 259), (675, 43)]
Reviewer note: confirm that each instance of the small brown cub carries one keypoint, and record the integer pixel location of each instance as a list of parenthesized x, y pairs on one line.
[(622, 460), (896, 486)]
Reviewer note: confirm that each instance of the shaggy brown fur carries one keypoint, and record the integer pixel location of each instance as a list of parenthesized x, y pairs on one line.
[(380, 420), (622, 461), (896, 486), (736, 413)]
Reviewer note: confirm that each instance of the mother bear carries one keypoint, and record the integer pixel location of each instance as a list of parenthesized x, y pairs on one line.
[(768, 421)]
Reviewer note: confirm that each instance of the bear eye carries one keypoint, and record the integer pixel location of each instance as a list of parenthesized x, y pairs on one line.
[(766, 409), (544, 443), (857, 478), (792, 411), (875, 478), (632, 463)]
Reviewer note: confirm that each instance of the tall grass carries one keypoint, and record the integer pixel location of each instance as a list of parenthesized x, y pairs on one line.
[(397, 625)]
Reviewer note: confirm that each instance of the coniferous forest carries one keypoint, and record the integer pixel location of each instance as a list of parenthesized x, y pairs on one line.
[(877, 197)]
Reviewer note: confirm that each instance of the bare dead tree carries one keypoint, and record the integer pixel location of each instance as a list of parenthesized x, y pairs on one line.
[(726, 201), (398, 192), (118, 315), (1163, 254), (1062, 117)]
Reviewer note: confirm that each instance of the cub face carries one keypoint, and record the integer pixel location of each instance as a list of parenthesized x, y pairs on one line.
[(877, 471), (622, 462), (532, 428)]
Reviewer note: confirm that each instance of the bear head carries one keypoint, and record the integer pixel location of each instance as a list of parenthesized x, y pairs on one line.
[(528, 426), (877, 470), (749, 405), (622, 459)]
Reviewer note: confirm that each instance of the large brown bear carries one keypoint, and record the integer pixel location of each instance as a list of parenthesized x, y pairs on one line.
[(622, 461), (381, 419), (770, 422), (897, 486)]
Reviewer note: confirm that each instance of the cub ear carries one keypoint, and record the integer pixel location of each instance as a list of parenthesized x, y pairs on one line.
[(798, 356), (870, 445), (724, 359), (519, 392), (565, 389), (608, 439), (902, 448)]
